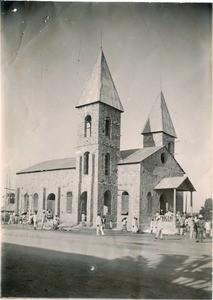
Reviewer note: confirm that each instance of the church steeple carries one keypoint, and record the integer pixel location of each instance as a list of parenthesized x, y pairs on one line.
[(159, 129), (98, 145), (100, 86)]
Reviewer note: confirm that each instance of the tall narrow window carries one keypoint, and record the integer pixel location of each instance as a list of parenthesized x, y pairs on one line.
[(125, 203), (35, 202), (107, 164), (149, 199), (26, 203), (86, 163), (107, 127), (87, 126), (69, 202)]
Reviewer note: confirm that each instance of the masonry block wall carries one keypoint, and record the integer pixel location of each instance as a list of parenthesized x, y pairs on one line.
[(159, 139), (51, 182), (98, 144), (153, 169), (129, 181)]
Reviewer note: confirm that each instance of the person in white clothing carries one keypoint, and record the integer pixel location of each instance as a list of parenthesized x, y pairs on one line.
[(99, 225), (159, 228)]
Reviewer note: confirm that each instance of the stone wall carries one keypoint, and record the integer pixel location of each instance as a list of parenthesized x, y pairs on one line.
[(46, 183), (129, 181), (153, 170), (96, 182)]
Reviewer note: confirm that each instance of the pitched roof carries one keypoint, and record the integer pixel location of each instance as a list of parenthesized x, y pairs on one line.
[(138, 155), (181, 183), (159, 119), (51, 165), (129, 156), (100, 86)]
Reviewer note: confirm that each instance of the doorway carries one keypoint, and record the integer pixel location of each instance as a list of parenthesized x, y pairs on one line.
[(51, 203)]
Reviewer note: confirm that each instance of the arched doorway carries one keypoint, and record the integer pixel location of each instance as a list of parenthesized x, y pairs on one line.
[(82, 206), (107, 203), (51, 203), (163, 204)]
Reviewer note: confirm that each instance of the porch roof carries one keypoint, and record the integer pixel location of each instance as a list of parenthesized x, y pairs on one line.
[(181, 183)]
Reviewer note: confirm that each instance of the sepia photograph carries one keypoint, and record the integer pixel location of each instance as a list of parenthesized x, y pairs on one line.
[(106, 150)]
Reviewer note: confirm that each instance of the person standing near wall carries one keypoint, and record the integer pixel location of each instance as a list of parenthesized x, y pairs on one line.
[(35, 220), (200, 228), (159, 228), (99, 228), (43, 219)]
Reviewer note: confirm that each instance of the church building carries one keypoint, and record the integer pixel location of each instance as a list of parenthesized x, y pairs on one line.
[(101, 178)]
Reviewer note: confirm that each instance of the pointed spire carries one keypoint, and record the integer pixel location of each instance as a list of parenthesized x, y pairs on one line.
[(100, 86), (159, 119)]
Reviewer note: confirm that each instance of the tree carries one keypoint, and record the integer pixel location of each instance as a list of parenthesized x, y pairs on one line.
[(206, 210)]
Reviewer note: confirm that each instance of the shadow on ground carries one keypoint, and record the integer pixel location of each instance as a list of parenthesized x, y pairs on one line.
[(35, 272)]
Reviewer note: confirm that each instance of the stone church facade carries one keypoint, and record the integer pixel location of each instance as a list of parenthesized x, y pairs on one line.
[(101, 177)]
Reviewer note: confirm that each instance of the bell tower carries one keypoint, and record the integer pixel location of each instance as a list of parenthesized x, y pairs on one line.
[(159, 129), (98, 145)]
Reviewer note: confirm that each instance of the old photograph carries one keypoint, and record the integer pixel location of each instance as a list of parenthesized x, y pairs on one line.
[(106, 142)]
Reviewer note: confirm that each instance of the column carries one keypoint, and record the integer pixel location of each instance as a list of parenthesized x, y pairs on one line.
[(191, 203), (174, 208)]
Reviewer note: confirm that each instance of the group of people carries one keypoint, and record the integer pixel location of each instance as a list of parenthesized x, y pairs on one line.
[(45, 219), (135, 228), (196, 226)]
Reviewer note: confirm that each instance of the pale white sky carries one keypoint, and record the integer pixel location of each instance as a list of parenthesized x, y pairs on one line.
[(49, 50)]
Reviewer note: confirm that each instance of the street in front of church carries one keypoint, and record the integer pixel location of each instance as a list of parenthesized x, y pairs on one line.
[(79, 264)]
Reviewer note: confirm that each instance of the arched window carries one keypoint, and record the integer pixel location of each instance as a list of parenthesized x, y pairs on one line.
[(149, 200), (107, 164), (107, 203), (107, 127), (35, 202), (87, 126), (69, 202), (125, 203), (86, 163), (26, 203)]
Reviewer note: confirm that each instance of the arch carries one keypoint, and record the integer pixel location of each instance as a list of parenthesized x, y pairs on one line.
[(107, 164), (125, 203), (107, 203), (51, 203), (82, 208), (163, 204), (87, 126), (35, 202), (149, 200), (26, 202), (86, 162)]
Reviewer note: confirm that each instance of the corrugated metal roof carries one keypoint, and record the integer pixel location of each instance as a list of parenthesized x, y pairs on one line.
[(100, 86), (159, 119), (181, 183), (50, 165), (138, 155), (128, 156)]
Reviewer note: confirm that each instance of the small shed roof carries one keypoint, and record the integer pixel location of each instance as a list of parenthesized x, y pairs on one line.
[(138, 155), (51, 165), (181, 183)]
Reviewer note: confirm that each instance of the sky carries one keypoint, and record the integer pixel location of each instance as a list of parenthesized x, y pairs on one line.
[(48, 50)]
